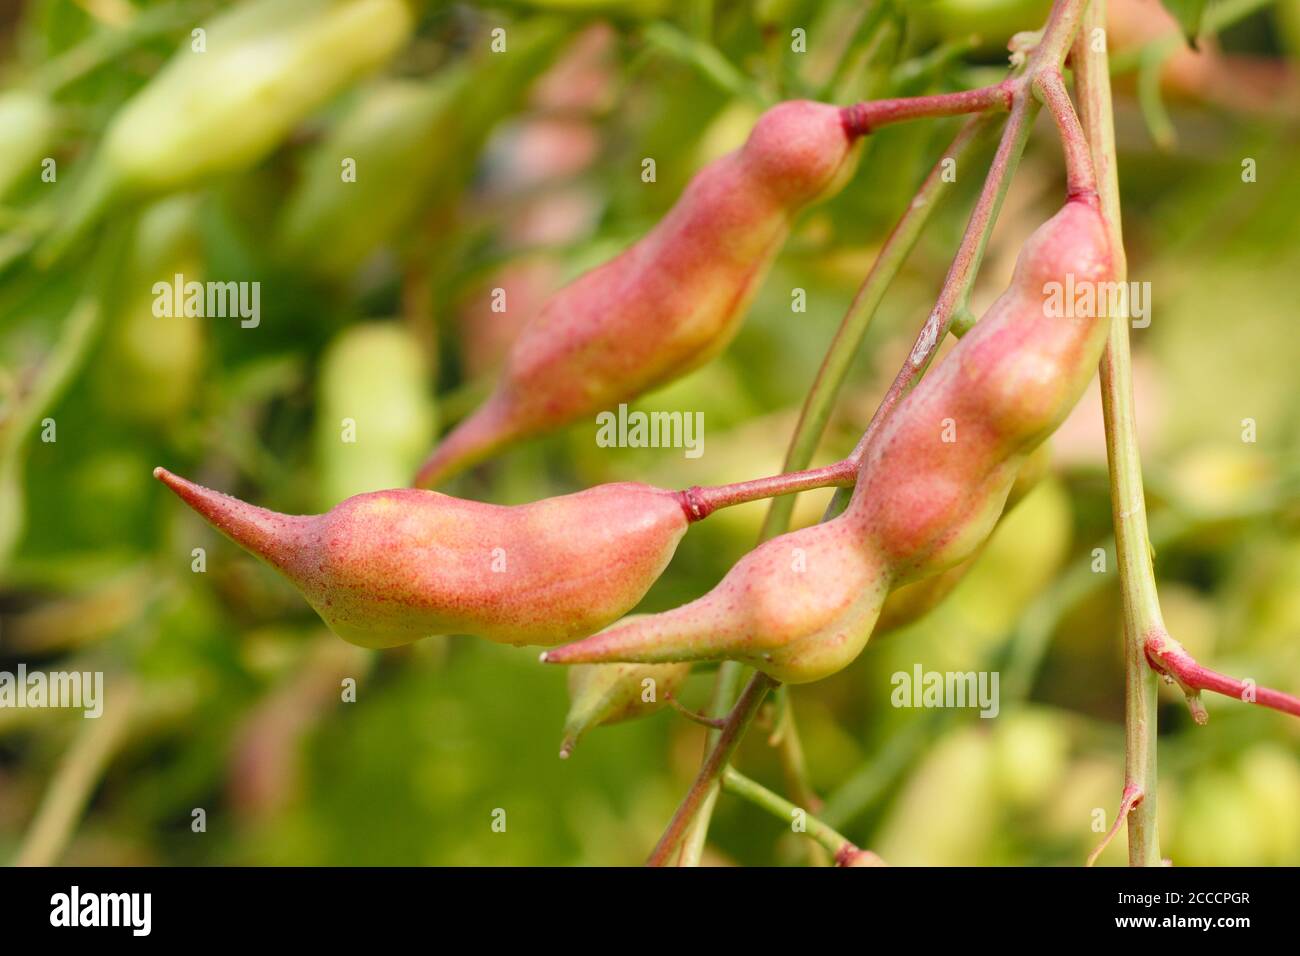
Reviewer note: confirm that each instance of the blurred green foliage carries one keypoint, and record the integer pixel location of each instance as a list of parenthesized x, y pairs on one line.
[(379, 313)]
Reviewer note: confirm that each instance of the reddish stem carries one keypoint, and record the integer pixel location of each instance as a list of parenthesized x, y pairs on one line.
[(961, 273), (861, 119), (1081, 179), (746, 707), (699, 503), (714, 723), (1166, 656), (1132, 797)]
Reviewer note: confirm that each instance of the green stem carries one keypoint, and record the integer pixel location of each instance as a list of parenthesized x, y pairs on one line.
[(707, 781), (725, 687), (1141, 602), (954, 295), (735, 782), (75, 779), (794, 766), (820, 401), (1050, 53), (953, 299), (111, 43)]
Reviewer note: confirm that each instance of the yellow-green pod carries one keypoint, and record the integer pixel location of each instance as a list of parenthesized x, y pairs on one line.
[(232, 93), (153, 361), (993, 21), (1288, 24), (376, 415), (26, 128), (402, 147), (611, 693), (624, 8), (369, 175)]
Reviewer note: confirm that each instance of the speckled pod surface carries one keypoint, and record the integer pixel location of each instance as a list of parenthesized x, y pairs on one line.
[(391, 567), (668, 303), (932, 484)]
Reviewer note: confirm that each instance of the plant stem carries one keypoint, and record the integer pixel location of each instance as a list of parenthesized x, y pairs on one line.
[(713, 723), (733, 781), (1046, 58), (725, 686), (1057, 36), (848, 338), (1169, 657), (794, 766), (75, 779), (710, 773), (699, 503), (1081, 178), (821, 397), (860, 119), (1131, 798), (961, 277), (1141, 602)]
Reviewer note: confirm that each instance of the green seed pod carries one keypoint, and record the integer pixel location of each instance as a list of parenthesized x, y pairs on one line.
[(231, 94), (401, 148), (610, 693), (376, 416), (626, 8), (26, 127), (993, 21), (153, 362)]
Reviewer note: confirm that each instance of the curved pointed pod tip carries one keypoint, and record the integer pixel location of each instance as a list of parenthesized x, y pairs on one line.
[(393, 567), (276, 538), (602, 694)]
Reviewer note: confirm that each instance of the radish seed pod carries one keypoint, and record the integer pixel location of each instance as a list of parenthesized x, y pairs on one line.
[(671, 301), (802, 606)]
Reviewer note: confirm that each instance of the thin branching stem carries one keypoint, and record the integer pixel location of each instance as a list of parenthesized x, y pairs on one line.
[(1141, 602), (837, 844), (76, 777), (711, 772), (692, 815)]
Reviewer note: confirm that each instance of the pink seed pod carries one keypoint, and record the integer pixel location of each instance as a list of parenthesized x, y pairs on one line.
[(601, 694), (850, 856), (798, 607), (670, 302), (908, 603), (931, 485), (391, 567), (937, 476)]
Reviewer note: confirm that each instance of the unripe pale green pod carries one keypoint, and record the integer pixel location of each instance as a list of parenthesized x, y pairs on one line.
[(375, 415), (153, 362), (389, 139), (931, 486), (263, 66), (670, 302), (393, 567), (407, 144), (602, 694), (26, 127)]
